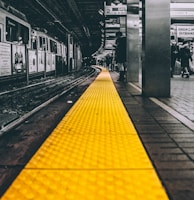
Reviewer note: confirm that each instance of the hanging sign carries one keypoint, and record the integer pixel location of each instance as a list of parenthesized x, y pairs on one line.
[(185, 31), (182, 10), (113, 9)]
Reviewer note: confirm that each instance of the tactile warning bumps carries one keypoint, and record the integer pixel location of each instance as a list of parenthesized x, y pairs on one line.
[(93, 153), (86, 185)]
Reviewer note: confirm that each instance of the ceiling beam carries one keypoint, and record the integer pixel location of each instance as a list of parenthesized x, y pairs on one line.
[(56, 20), (72, 4)]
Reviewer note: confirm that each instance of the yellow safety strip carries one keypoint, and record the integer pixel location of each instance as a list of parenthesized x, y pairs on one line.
[(93, 154)]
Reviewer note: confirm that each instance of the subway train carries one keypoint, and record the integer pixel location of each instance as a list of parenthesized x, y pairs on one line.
[(28, 51)]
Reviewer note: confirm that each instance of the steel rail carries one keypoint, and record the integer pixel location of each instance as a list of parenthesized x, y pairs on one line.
[(67, 88)]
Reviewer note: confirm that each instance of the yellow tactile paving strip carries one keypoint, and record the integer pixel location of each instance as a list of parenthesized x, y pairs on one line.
[(93, 154)]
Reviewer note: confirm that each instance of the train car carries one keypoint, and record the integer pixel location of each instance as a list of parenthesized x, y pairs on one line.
[(28, 52), (14, 40), (51, 54), (61, 58), (74, 54), (25, 50), (46, 50)]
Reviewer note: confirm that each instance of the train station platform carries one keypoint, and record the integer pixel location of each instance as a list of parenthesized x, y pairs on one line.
[(95, 152), (166, 128)]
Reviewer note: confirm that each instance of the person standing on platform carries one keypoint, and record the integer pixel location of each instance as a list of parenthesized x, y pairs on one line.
[(174, 56), (108, 61), (120, 54), (185, 56)]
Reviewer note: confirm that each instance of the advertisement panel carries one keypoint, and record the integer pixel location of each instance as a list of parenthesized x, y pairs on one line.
[(113, 9), (18, 59), (53, 66), (32, 61), (41, 60), (48, 62), (5, 59)]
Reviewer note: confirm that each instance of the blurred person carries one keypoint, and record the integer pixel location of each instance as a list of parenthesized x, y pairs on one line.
[(174, 56), (185, 56), (108, 60), (120, 54)]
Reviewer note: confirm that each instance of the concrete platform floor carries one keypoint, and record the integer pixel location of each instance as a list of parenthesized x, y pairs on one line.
[(166, 128)]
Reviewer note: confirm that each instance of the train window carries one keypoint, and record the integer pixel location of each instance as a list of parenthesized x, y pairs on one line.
[(16, 31), (47, 44), (34, 42), (40, 43), (11, 30), (24, 34), (59, 49), (43, 43), (53, 46), (71, 40)]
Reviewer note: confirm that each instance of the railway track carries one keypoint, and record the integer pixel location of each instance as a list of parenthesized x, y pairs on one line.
[(20, 103)]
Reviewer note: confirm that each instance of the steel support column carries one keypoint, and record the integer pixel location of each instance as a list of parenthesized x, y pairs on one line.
[(156, 48), (133, 45)]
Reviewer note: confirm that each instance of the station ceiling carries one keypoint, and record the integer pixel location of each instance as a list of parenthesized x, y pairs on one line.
[(78, 17)]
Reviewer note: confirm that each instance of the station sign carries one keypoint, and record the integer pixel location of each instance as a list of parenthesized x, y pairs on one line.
[(112, 23), (185, 31), (114, 9), (110, 35)]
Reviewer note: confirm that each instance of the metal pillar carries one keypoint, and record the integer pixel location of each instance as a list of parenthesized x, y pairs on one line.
[(133, 45), (156, 48)]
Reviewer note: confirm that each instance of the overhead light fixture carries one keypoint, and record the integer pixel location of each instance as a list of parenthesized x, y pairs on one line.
[(57, 21), (116, 2), (101, 12), (101, 23)]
